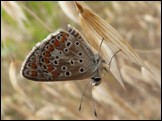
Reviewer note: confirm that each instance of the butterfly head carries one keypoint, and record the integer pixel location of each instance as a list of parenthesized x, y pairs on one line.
[(96, 80)]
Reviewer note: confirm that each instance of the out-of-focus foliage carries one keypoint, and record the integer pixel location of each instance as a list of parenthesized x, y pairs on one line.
[(26, 23)]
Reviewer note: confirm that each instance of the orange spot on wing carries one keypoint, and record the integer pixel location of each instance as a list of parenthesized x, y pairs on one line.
[(64, 37), (50, 68), (47, 54), (33, 65), (65, 34), (55, 74), (56, 43), (51, 48), (34, 73), (46, 60)]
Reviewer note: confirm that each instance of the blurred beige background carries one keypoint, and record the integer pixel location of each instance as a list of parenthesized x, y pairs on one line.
[(26, 23)]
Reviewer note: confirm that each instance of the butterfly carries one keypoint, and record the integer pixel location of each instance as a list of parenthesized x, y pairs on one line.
[(62, 56)]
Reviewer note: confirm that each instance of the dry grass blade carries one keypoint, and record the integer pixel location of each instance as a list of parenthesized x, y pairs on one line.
[(95, 39), (15, 12), (13, 77), (69, 9), (93, 24), (37, 18)]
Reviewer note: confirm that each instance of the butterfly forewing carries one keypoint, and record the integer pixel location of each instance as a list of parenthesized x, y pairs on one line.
[(61, 56)]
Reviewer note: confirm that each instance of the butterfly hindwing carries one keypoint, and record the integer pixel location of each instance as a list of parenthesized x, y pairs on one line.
[(61, 56)]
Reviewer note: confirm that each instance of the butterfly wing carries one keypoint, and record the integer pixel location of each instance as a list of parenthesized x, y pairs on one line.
[(31, 68), (62, 56)]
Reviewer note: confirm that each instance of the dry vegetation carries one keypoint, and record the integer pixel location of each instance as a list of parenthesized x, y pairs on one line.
[(26, 23)]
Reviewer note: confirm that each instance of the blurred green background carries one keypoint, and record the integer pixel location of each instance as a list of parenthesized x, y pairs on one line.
[(26, 23)]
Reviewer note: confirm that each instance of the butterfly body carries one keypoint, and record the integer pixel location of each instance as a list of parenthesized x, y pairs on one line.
[(62, 56)]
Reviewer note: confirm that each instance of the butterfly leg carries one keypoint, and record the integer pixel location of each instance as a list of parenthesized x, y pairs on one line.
[(111, 60), (88, 87), (80, 106)]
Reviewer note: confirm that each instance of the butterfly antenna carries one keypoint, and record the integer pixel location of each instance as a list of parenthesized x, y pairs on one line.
[(113, 57), (99, 50), (83, 96)]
